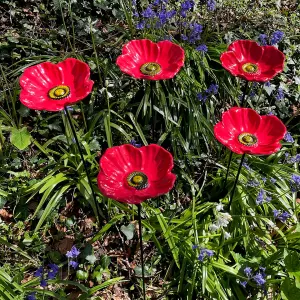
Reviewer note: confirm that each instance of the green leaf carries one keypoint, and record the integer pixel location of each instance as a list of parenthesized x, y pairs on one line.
[(292, 261), (88, 254), (81, 275), (128, 231), (289, 291), (20, 138)]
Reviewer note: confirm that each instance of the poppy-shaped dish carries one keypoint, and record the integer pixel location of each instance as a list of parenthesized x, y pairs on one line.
[(248, 60), (133, 175), (243, 130), (144, 59), (51, 87)]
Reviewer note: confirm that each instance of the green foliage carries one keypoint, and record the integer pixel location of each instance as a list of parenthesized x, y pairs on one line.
[(46, 203)]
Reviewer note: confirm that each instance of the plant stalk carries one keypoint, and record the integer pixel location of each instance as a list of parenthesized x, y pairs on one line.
[(244, 93), (83, 162), (236, 180), (142, 250)]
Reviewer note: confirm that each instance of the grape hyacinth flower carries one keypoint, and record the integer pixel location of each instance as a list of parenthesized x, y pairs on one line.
[(260, 197), (73, 253), (186, 6), (276, 37), (31, 296), (248, 271), (202, 97), (73, 264), (213, 89), (280, 94), (211, 5), (205, 253), (243, 283), (148, 13), (202, 48), (295, 183), (263, 39), (282, 217), (288, 138), (135, 144), (259, 279), (53, 271)]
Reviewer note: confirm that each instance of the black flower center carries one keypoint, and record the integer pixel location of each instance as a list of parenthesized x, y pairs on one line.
[(150, 68), (138, 180), (59, 92), (247, 139), (250, 68)]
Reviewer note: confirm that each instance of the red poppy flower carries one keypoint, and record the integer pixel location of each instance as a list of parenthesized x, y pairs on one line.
[(133, 175), (248, 60), (144, 59), (243, 130), (51, 87)]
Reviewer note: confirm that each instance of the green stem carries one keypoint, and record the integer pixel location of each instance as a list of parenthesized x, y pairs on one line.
[(244, 93), (142, 250), (83, 162), (228, 167), (236, 180)]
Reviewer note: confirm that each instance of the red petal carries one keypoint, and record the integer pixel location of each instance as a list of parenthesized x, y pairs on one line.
[(266, 149), (246, 51), (271, 130), (170, 54), (157, 188), (230, 63), (271, 61), (157, 162), (121, 159), (141, 50), (115, 189), (240, 120), (41, 77)]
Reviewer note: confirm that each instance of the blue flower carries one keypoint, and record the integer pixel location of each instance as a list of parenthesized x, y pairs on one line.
[(31, 296), (288, 138), (280, 94), (205, 252), (282, 217), (262, 38), (252, 93), (74, 252), (273, 180), (211, 5), (202, 97), (260, 197), (135, 144), (243, 283), (294, 159), (73, 264), (148, 13), (140, 25), (212, 89), (268, 83), (39, 272), (248, 271), (259, 279), (202, 48), (43, 283), (276, 37)]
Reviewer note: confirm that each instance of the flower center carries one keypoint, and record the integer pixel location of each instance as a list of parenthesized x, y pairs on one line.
[(247, 139), (138, 180), (150, 68), (250, 68), (59, 92)]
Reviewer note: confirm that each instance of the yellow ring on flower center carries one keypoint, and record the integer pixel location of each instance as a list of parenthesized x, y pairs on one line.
[(138, 180), (150, 68), (250, 68), (59, 92), (247, 139)]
